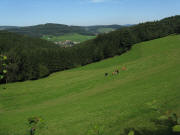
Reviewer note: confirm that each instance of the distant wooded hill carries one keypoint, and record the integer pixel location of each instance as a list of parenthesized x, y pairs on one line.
[(97, 29), (7, 27), (60, 29), (33, 58), (49, 29)]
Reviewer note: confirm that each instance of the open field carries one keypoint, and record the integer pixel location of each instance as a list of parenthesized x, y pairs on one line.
[(73, 102), (73, 37)]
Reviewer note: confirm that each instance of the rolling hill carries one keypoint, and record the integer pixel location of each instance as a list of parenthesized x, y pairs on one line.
[(97, 29), (80, 100), (49, 29), (53, 29), (7, 27)]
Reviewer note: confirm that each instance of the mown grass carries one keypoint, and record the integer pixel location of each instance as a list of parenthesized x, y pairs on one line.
[(73, 37), (73, 102)]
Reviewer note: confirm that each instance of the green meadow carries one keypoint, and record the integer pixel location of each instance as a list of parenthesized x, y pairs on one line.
[(77, 101), (73, 37)]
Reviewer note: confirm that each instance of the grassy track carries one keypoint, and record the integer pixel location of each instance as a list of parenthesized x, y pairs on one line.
[(72, 37), (74, 101)]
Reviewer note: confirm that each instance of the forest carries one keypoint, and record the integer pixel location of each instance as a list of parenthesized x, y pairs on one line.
[(48, 29), (30, 58), (53, 29)]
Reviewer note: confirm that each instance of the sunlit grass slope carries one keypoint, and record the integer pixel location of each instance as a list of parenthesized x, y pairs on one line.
[(73, 102)]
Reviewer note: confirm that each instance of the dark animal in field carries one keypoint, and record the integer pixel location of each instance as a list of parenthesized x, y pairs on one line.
[(32, 131), (117, 71), (106, 74)]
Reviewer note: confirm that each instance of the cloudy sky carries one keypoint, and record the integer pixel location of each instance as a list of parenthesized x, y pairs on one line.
[(85, 12)]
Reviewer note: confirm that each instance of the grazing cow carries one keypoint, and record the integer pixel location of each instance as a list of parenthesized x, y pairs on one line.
[(123, 68), (106, 74), (113, 73), (117, 71)]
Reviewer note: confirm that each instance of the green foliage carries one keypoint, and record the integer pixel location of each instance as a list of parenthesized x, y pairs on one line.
[(165, 125), (154, 106), (3, 67), (146, 131), (35, 123), (131, 132), (178, 120), (176, 128), (96, 130), (4, 71), (1, 76), (178, 29), (43, 71)]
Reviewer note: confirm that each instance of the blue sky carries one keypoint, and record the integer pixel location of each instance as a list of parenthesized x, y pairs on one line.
[(85, 12)]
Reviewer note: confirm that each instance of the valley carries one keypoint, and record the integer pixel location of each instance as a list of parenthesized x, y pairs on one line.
[(68, 39)]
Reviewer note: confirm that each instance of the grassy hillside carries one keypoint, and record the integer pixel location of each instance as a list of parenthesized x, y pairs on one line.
[(73, 102), (73, 37)]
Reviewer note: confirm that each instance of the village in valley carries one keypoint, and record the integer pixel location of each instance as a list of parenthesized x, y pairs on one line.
[(66, 43), (68, 40)]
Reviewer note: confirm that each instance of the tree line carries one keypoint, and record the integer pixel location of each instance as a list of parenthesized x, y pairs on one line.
[(31, 58), (49, 29)]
